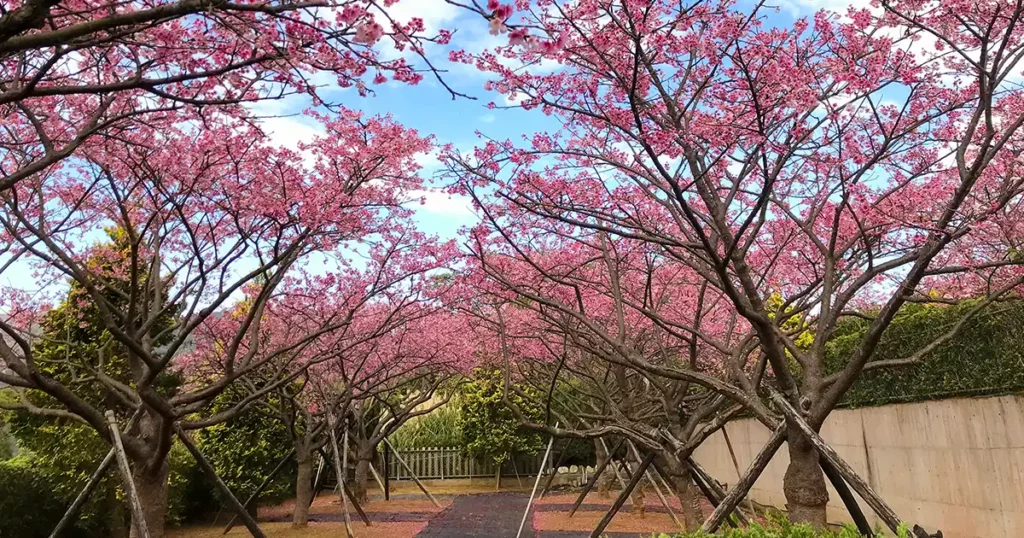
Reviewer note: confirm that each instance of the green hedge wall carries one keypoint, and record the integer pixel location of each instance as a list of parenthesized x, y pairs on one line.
[(985, 358)]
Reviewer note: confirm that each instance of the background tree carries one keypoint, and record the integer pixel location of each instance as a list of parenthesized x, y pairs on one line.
[(489, 428)]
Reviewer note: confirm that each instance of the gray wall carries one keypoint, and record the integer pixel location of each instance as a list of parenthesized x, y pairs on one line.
[(955, 465)]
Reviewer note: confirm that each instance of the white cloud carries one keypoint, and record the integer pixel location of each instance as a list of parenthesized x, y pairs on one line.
[(288, 132), (487, 118), (439, 202), (436, 14)]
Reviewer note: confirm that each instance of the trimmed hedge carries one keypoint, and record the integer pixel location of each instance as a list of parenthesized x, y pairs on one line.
[(986, 357)]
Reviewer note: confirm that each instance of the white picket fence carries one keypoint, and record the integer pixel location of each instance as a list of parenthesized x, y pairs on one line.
[(449, 462)]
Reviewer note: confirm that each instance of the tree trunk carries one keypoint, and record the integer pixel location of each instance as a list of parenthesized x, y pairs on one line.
[(152, 490), (303, 485), (497, 476), (681, 480), (360, 486), (804, 483)]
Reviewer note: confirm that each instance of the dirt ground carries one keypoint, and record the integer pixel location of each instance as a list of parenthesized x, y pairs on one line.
[(465, 512)]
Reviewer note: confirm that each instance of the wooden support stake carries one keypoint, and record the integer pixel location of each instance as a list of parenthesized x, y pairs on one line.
[(554, 472), (413, 475), (657, 490), (94, 481), (138, 515), (714, 495), (739, 491), (536, 482), (593, 479), (886, 514), (387, 470), (623, 495), (339, 472), (266, 482), (847, 496), (615, 469), (90, 486), (207, 467), (376, 477), (316, 480), (355, 504), (735, 462)]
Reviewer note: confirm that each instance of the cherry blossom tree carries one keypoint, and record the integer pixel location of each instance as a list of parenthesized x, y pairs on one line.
[(843, 165), (71, 72), (394, 343), (214, 221)]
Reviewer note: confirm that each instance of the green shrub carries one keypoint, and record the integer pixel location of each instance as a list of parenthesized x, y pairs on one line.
[(28, 507), (780, 527)]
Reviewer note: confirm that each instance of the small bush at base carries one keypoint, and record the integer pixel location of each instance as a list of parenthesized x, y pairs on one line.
[(782, 528)]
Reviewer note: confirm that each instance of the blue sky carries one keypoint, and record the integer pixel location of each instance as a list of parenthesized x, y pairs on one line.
[(429, 108)]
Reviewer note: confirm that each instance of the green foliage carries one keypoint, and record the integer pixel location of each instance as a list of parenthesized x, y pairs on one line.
[(8, 444), (28, 509), (440, 428), (780, 527), (489, 429), (246, 448), (73, 346), (985, 357)]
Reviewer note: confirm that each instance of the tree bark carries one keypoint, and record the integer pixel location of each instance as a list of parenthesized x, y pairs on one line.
[(152, 490), (680, 479), (360, 486), (804, 483), (303, 485)]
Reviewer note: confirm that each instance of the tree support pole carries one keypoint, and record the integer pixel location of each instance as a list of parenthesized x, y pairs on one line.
[(413, 475), (376, 477), (711, 489), (739, 491), (623, 495), (885, 513), (847, 496), (83, 495), (554, 472), (593, 478), (355, 504), (126, 475), (266, 482), (735, 462), (615, 469), (657, 490), (536, 483), (205, 465), (339, 472), (316, 480), (387, 470)]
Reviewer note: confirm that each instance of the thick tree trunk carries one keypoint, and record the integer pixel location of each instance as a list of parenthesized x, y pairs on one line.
[(360, 486), (152, 490), (681, 480), (804, 483), (303, 485)]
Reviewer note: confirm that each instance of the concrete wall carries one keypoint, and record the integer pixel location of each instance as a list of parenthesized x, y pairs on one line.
[(954, 465)]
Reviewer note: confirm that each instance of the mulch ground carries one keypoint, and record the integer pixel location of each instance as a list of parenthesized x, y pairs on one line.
[(475, 515)]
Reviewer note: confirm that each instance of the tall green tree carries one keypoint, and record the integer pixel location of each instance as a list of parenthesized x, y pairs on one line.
[(73, 347), (489, 428)]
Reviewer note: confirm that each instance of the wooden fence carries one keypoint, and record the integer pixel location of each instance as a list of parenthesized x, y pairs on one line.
[(442, 463)]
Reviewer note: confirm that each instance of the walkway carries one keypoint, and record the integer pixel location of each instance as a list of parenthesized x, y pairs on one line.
[(494, 515)]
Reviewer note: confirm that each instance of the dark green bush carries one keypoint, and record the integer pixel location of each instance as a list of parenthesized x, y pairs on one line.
[(986, 357), (28, 507)]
